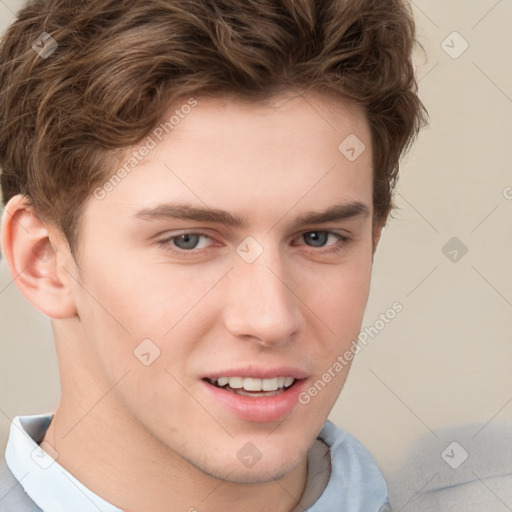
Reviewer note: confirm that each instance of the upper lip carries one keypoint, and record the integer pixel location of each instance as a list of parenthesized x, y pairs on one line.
[(259, 372)]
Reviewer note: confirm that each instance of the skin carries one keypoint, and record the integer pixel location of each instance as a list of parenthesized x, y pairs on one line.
[(149, 437)]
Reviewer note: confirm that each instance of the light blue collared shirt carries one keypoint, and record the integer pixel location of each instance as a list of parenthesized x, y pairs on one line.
[(47, 483), (342, 475)]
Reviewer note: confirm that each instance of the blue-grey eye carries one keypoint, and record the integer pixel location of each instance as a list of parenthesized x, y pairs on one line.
[(187, 241), (316, 238)]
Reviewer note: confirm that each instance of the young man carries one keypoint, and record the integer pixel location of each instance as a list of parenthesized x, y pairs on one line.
[(194, 191)]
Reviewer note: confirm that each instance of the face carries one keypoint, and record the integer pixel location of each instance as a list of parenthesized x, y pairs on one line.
[(227, 272)]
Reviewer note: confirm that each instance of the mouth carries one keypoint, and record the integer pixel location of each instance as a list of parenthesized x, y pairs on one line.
[(257, 395), (253, 387)]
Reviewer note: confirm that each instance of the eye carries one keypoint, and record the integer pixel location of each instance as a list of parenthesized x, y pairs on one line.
[(186, 242), (320, 239)]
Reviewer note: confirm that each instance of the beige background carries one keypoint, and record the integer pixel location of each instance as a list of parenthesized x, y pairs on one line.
[(445, 359)]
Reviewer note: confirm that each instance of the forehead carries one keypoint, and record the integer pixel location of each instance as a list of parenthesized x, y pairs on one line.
[(264, 157)]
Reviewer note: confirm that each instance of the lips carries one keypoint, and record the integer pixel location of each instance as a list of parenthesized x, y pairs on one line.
[(257, 395)]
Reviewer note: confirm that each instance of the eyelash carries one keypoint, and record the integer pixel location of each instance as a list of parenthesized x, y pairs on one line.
[(332, 249)]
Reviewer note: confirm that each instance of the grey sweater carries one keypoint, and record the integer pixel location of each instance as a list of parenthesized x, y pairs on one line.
[(466, 468)]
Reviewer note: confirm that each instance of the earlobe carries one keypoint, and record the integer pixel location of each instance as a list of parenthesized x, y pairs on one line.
[(33, 259)]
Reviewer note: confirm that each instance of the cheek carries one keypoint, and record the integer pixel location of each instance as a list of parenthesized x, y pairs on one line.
[(340, 294), (143, 299), (123, 303)]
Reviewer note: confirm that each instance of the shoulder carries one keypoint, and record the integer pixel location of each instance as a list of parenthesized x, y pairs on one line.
[(12, 496), (356, 482), (348, 453), (462, 467)]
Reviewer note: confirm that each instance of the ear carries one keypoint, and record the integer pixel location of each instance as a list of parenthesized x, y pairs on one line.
[(35, 257), (377, 233)]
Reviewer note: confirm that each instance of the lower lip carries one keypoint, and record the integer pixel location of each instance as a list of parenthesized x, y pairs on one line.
[(258, 409)]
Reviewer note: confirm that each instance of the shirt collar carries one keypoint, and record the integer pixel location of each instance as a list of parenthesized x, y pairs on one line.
[(54, 489), (45, 481)]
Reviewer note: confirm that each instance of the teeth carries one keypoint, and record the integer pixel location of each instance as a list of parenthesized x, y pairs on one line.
[(288, 381), (250, 384), (270, 384), (222, 381), (236, 382)]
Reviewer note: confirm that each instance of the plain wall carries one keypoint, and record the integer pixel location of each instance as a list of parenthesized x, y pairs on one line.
[(445, 359)]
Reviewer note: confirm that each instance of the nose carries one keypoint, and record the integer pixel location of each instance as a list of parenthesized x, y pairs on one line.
[(262, 304)]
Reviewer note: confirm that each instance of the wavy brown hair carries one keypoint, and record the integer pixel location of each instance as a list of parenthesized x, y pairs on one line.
[(119, 64)]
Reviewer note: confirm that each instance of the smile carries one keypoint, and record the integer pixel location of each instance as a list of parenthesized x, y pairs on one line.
[(248, 386), (256, 399)]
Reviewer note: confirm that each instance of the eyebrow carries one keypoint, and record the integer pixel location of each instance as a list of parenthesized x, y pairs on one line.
[(334, 213)]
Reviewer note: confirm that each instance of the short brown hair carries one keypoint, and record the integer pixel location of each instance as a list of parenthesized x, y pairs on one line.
[(119, 65)]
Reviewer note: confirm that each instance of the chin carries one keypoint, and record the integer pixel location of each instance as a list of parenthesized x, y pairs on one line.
[(261, 475), (265, 469)]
